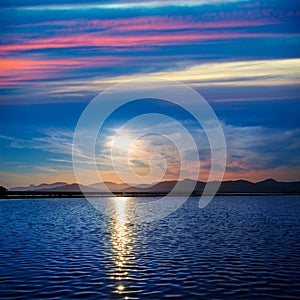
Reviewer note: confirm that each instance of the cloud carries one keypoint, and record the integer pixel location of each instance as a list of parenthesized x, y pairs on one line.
[(254, 149), (51, 141), (227, 50), (66, 5), (254, 153), (48, 57), (228, 81)]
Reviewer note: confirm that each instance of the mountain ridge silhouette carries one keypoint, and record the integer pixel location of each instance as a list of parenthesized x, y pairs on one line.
[(269, 185)]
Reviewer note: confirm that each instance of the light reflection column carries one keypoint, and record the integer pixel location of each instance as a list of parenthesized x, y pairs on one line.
[(122, 245)]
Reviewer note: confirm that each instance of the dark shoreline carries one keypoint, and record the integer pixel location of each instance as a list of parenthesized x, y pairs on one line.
[(44, 194)]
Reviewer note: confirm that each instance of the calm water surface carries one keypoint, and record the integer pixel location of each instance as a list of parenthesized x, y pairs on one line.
[(237, 247)]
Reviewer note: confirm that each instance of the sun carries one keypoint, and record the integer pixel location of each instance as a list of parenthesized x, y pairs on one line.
[(122, 143)]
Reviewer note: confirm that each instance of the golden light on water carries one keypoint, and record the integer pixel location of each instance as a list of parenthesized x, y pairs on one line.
[(122, 198), (122, 245), (120, 287), (120, 209)]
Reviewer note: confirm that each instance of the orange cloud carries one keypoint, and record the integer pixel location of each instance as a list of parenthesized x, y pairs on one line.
[(23, 69)]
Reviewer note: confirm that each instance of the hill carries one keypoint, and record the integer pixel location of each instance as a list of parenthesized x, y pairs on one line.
[(226, 187)]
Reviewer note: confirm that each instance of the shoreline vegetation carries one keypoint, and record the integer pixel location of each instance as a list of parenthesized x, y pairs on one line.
[(164, 188)]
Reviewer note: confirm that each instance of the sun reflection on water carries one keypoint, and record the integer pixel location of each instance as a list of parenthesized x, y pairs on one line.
[(122, 245)]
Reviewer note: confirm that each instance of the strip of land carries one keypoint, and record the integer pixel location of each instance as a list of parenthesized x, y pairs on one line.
[(38, 194), (172, 188)]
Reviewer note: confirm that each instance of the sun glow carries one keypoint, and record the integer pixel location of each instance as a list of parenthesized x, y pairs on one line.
[(122, 143)]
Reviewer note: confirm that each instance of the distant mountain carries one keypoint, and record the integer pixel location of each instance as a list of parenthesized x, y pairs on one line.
[(74, 187), (280, 187), (238, 186), (226, 187), (43, 186), (166, 186), (111, 185)]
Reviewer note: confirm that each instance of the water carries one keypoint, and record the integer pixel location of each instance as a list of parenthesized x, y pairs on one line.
[(237, 247)]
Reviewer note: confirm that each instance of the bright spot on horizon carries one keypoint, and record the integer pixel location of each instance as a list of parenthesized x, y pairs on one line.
[(122, 198)]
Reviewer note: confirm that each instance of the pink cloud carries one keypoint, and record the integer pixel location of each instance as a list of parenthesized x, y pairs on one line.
[(145, 31), (153, 39)]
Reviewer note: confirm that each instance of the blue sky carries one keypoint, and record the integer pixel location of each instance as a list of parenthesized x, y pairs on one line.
[(242, 56)]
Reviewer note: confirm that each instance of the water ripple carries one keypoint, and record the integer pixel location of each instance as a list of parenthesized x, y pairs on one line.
[(237, 247)]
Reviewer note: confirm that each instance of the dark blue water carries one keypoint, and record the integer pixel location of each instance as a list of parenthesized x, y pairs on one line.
[(237, 247)]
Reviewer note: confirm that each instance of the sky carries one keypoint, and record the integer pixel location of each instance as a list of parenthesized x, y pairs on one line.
[(242, 56)]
